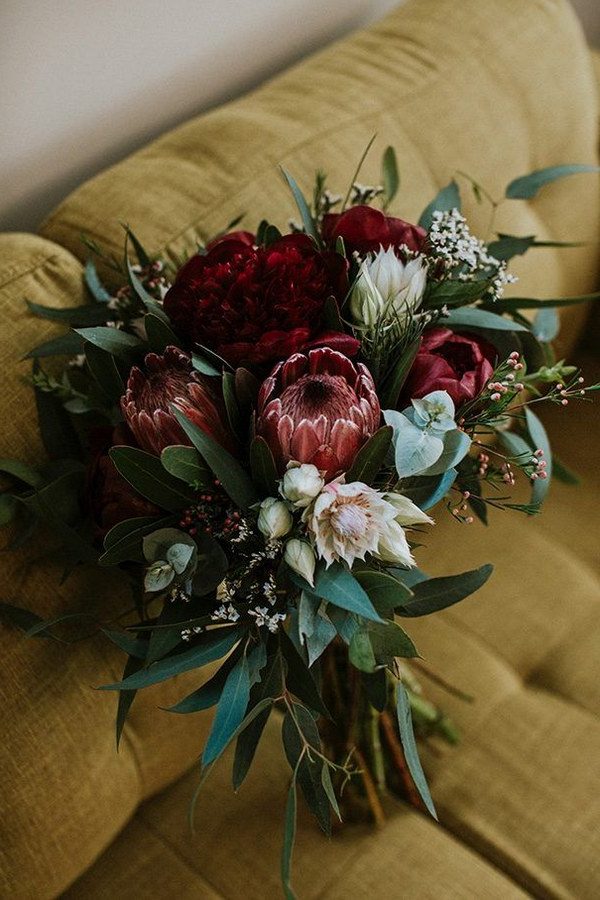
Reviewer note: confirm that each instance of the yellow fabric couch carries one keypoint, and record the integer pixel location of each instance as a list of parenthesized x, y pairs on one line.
[(495, 88)]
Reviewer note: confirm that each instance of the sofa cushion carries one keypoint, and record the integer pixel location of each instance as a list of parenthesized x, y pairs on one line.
[(235, 849)]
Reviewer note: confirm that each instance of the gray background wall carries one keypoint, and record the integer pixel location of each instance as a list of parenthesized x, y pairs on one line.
[(84, 82)]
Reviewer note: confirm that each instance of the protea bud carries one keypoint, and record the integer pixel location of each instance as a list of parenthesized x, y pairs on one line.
[(318, 408), (274, 518), (387, 291), (300, 557), (169, 380), (301, 484)]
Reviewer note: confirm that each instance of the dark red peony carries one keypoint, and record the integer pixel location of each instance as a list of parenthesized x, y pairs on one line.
[(461, 364), (112, 499), (169, 380), (254, 304), (366, 230), (320, 408)]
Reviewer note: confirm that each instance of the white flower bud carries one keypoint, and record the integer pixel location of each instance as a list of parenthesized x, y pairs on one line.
[(274, 518), (301, 558), (301, 484), (387, 291)]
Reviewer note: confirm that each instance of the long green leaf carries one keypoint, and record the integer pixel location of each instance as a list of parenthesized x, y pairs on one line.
[(445, 200), (228, 470), (65, 345), (438, 593), (339, 586), (262, 466), (480, 318), (86, 314), (105, 372), (389, 176), (409, 745), (114, 341), (527, 186), (289, 836), (211, 645), (369, 458), (146, 474), (303, 207), (185, 463), (231, 710), (540, 441)]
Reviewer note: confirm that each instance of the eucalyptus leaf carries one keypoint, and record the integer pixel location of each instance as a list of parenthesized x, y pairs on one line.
[(94, 285), (86, 314), (371, 456), (434, 594), (456, 447), (527, 186), (210, 646), (146, 474), (227, 469), (415, 450), (445, 200), (540, 441), (69, 344), (338, 585), (231, 710), (105, 372), (389, 176), (262, 466), (480, 318), (385, 591), (186, 464), (303, 208), (159, 333), (409, 745), (21, 471), (113, 340), (546, 324)]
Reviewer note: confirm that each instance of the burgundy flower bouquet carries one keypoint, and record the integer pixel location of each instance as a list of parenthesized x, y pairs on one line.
[(257, 441)]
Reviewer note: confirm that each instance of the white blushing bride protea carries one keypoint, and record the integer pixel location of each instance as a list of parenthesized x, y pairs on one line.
[(387, 291), (347, 521)]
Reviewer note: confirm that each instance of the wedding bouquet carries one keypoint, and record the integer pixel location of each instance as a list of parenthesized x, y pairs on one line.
[(259, 439)]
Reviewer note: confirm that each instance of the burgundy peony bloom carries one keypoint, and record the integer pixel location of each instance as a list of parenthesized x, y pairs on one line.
[(367, 230), (318, 407), (169, 379), (111, 499), (242, 237), (254, 304), (461, 364)]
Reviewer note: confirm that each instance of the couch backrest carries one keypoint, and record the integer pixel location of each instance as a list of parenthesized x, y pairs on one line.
[(495, 89)]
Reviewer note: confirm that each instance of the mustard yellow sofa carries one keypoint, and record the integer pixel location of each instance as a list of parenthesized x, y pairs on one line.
[(495, 88)]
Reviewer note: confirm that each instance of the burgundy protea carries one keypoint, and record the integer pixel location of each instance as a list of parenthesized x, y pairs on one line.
[(255, 305), (318, 407), (169, 380)]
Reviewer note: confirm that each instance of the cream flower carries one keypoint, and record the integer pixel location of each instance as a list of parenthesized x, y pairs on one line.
[(301, 484), (387, 291), (347, 521)]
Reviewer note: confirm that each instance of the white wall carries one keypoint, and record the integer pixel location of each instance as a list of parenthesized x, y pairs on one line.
[(84, 82)]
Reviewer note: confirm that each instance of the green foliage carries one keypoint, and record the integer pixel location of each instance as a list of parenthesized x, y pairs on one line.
[(377, 645), (391, 386), (479, 318), (299, 734), (270, 687), (160, 334), (69, 344), (124, 541), (104, 370), (231, 709), (227, 469), (210, 646), (303, 207), (448, 198), (540, 441), (434, 594), (262, 466), (87, 314), (371, 456), (299, 678), (146, 474), (338, 586), (113, 340), (385, 591), (409, 746), (389, 176), (185, 463), (93, 283), (527, 186)]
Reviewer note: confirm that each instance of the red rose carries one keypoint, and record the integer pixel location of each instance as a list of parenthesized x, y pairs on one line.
[(257, 304), (461, 364), (367, 230)]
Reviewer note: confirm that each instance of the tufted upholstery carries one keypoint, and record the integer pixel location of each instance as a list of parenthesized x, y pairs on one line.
[(493, 89)]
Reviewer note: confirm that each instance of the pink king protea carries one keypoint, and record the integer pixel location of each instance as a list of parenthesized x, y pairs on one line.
[(320, 408), (169, 380)]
